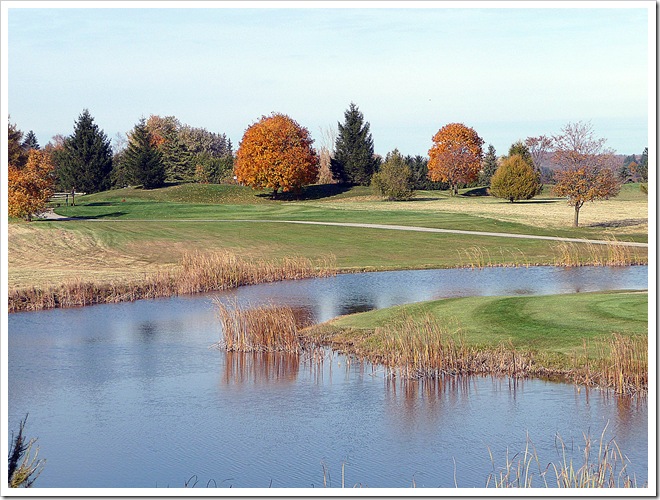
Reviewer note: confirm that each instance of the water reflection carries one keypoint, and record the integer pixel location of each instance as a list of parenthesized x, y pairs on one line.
[(96, 378), (260, 368)]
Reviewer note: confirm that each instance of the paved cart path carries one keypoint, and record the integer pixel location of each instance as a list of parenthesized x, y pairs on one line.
[(53, 216)]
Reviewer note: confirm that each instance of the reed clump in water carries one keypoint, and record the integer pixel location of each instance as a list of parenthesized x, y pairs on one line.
[(197, 272), (267, 328)]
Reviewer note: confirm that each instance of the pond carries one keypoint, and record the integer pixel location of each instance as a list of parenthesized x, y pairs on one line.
[(134, 395)]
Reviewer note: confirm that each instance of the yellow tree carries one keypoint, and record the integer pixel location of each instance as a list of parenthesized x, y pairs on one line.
[(455, 156), (276, 153), (515, 180), (30, 187), (587, 169)]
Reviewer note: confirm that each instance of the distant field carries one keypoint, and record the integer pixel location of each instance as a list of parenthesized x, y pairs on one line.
[(114, 244)]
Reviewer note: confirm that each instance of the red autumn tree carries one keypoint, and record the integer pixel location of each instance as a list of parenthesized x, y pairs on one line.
[(587, 169), (276, 153), (455, 156), (30, 187)]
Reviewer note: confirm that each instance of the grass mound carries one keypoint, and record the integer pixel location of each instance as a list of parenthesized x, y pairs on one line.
[(592, 338)]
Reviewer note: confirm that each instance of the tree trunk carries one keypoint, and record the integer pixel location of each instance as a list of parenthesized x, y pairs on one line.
[(577, 213)]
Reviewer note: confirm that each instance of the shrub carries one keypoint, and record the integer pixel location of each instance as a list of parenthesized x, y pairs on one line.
[(394, 180), (515, 180)]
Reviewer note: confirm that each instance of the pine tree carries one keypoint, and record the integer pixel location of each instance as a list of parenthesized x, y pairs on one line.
[(354, 160), (177, 160), (17, 156), (30, 142), (86, 162), (489, 166), (141, 160)]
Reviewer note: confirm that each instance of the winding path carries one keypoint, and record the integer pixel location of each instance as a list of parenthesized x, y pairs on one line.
[(53, 216)]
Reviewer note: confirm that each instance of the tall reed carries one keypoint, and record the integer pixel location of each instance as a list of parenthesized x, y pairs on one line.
[(267, 328), (621, 364), (196, 272), (605, 469), (612, 253), (426, 348)]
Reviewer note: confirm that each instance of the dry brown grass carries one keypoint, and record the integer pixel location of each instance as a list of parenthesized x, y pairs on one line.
[(569, 254), (266, 328), (605, 469), (197, 272), (423, 348), (544, 211), (621, 364)]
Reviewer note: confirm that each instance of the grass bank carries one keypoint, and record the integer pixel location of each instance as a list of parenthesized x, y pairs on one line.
[(127, 233), (196, 273), (591, 338)]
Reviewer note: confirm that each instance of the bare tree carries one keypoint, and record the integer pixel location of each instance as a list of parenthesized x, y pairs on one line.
[(328, 136), (586, 167), (538, 147)]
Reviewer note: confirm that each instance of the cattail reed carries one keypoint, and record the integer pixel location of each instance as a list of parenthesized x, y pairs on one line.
[(196, 273), (612, 253), (427, 349), (604, 467), (268, 328)]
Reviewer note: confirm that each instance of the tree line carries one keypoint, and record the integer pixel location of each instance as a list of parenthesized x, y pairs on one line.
[(277, 153)]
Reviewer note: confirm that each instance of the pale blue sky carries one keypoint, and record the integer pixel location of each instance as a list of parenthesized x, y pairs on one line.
[(507, 72)]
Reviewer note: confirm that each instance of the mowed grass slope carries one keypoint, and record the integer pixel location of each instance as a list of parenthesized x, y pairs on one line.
[(129, 232)]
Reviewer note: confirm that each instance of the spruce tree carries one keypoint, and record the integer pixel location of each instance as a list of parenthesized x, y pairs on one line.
[(489, 166), (141, 161), (86, 162), (30, 141), (178, 160), (16, 155), (354, 161)]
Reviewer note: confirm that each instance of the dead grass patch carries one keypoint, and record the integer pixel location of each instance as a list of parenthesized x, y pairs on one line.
[(196, 272)]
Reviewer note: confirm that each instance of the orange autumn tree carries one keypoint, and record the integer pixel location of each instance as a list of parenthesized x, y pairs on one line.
[(276, 153), (586, 167), (455, 157), (30, 187)]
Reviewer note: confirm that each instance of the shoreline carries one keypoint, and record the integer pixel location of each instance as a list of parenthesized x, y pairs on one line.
[(40, 298)]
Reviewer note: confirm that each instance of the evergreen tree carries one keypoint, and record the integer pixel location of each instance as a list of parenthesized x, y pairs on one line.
[(642, 169), (141, 161), (17, 156), (30, 141), (86, 162), (420, 174), (354, 160), (519, 148), (515, 179), (177, 160), (489, 166)]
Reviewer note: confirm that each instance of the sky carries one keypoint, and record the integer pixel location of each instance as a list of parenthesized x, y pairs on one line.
[(508, 72)]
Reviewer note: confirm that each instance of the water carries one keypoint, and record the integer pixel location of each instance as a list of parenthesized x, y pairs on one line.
[(132, 395)]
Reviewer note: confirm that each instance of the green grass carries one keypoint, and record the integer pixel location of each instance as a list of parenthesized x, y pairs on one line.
[(554, 326), (129, 231), (319, 203)]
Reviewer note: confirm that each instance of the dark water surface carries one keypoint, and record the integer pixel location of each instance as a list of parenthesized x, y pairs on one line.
[(133, 395)]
